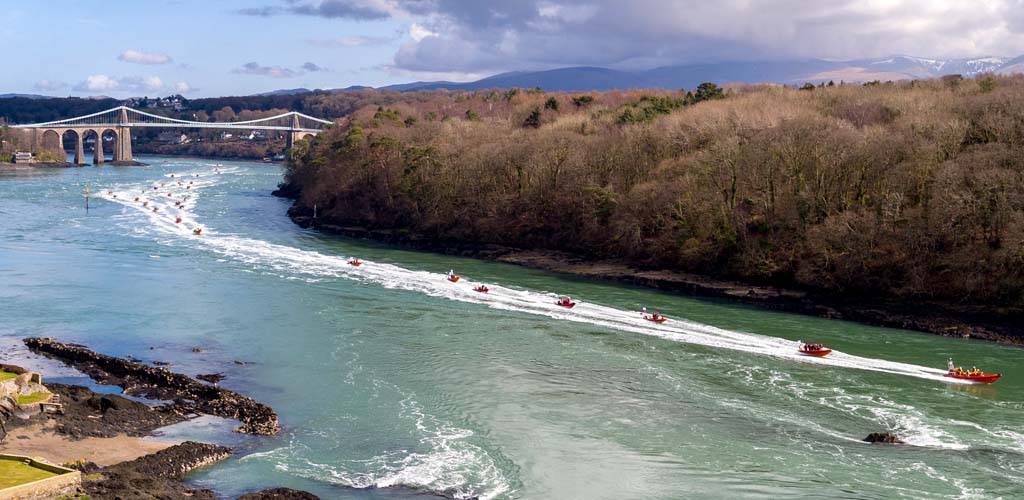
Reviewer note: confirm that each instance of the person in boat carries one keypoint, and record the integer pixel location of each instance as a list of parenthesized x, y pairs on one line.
[(451, 273), (564, 301), (655, 316), (950, 366)]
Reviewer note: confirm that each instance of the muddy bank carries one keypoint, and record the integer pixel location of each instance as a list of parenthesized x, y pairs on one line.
[(138, 379), (1005, 325)]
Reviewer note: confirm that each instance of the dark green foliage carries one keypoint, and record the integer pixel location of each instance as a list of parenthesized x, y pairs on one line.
[(582, 100), (708, 91), (533, 119), (551, 104)]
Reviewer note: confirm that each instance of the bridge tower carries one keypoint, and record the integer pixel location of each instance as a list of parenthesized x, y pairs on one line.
[(123, 146), (293, 134)]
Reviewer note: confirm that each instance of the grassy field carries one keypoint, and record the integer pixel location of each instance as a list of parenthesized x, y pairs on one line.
[(33, 398), (13, 473), (7, 375)]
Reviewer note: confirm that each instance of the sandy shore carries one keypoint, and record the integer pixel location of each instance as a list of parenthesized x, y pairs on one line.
[(40, 440)]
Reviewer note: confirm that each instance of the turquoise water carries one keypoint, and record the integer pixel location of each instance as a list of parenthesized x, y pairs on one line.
[(387, 375)]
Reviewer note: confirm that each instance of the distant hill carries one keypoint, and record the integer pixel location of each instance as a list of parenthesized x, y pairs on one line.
[(285, 92), (586, 78), (24, 96)]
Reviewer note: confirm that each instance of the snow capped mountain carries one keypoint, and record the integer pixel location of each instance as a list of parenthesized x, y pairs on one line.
[(922, 67), (795, 72)]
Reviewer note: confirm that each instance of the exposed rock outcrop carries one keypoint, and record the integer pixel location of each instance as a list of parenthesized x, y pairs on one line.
[(158, 383), (883, 437), (279, 494)]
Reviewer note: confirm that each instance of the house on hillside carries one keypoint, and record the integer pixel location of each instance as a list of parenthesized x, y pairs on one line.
[(172, 137)]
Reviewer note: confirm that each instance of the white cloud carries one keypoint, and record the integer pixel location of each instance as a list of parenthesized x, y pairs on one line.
[(49, 85), (104, 83), (140, 57), (182, 87), (417, 32), (98, 83), (496, 35)]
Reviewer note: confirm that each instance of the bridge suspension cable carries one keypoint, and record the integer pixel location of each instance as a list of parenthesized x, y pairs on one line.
[(292, 121)]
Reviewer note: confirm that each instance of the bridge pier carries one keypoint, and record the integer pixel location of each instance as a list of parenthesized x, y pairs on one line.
[(123, 144), (79, 148), (97, 152)]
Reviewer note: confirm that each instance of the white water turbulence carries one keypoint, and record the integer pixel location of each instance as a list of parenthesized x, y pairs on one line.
[(316, 265), (453, 465)]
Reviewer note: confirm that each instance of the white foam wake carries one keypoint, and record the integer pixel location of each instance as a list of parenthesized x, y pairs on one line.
[(315, 265)]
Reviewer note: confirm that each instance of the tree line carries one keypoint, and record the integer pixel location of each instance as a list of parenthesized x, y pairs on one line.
[(906, 190)]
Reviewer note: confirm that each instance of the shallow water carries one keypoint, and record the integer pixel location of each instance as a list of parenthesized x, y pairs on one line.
[(387, 375)]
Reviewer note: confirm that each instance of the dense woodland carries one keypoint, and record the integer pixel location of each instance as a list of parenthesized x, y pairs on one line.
[(909, 190)]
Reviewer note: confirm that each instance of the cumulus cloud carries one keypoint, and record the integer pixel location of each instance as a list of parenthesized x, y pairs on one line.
[(495, 35), (140, 57), (49, 85), (313, 67), (348, 9), (183, 87), (104, 83), (97, 83)]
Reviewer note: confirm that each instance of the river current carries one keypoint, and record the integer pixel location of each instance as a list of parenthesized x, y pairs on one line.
[(386, 375)]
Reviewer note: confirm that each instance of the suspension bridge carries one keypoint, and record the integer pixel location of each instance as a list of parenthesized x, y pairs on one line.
[(121, 120)]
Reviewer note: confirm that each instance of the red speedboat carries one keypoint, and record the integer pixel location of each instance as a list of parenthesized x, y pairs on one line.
[(978, 378), (655, 318), (566, 303), (816, 350), (453, 279), (355, 262), (481, 289)]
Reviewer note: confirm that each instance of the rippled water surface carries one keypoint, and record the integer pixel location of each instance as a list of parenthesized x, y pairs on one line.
[(388, 375)]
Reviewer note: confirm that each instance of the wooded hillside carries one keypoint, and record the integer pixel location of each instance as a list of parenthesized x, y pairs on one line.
[(912, 189)]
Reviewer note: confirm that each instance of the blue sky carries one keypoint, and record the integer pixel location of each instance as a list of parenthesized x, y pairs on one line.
[(201, 48), (55, 46)]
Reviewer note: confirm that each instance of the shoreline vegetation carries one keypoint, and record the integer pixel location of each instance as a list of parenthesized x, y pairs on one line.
[(896, 204)]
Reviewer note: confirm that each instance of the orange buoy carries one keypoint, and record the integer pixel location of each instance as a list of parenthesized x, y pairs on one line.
[(145, 203), (136, 198), (156, 208), (197, 230), (178, 220)]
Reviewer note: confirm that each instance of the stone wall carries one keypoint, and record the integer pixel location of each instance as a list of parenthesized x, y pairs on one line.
[(65, 482)]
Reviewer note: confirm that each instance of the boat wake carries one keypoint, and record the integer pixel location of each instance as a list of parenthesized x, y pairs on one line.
[(314, 265), (451, 464)]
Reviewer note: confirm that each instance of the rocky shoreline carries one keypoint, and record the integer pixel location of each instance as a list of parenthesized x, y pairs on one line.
[(1003, 325), (137, 379)]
